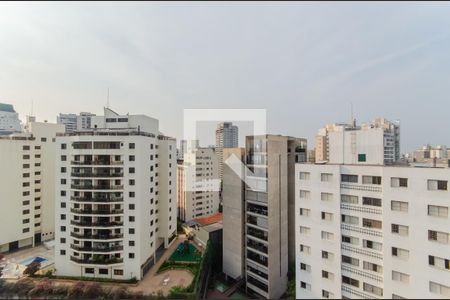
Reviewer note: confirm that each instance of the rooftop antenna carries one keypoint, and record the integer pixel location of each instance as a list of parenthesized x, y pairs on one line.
[(353, 121), (107, 100)]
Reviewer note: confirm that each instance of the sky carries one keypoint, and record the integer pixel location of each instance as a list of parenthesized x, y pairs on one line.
[(305, 63)]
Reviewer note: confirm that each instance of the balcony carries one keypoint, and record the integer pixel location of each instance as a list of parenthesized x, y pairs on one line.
[(96, 199), (98, 261), (96, 212), (98, 236), (96, 223), (257, 233), (257, 246), (257, 209), (97, 249), (96, 187), (97, 174), (96, 162)]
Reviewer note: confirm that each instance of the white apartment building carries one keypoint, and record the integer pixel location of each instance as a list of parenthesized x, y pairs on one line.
[(377, 142), (198, 184), (116, 205), (9, 120), (227, 136), (84, 120), (27, 183), (372, 231)]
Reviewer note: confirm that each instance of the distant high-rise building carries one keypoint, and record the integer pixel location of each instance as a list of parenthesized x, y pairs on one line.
[(198, 194), (116, 197), (348, 143), (9, 120), (258, 205), (227, 136), (75, 122), (27, 185), (182, 150), (428, 153)]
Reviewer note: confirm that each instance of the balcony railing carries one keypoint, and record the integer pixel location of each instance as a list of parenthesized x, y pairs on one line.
[(95, 224), (96, 199), (96, 174), (97, 249), (89, 236), (96, 187), (96, 162), (257, 233), (96, 212), (102, 261)]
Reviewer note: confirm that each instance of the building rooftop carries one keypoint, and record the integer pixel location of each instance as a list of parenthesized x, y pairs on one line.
[(7, 108), (209, 220)]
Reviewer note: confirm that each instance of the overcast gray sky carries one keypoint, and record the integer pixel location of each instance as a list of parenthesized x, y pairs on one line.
[(304, 62)]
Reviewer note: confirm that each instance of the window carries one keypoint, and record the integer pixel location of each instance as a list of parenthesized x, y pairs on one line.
[(103, 271), (361, 157), (438, 262), (25, 230), (26, 156), (327, 294), (399, 206), (369, 223), (131, 182), (131, 206), (327, 216), (63, 169), (350, 281), (131, 194), (399, 229), (63, 158), (394, 296), (25, 147), (373, 289), (437, 185), (63, 193), (43, 139), (131, 218), (131, 243), (305, 194), (305, 285), (350, 240), (25, 221), (62, 252), (438, 211), (62, 240), (371, 201), (63, 181), (349, 178), (350, 260), (25, 212), (131, 170), (327, 255), (26, 202), (305, 212), (131, 158), (304, 175), (305, 267), (131, 230), (327, 235), (372, 267), (328, 275), (399, 182), (89, 270), (349, 220), (437, 236), (131, 146), (372, 245), (118, 272), (63, 228), (371, 180), (305, 249), (305, 230), (63, 217), (326, 196), (349, 199), (130, 255), (26, 166), (398, 276), (326, 177), (63, 146), (440, 289)]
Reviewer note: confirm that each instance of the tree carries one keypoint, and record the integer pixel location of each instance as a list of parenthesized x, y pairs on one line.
[(32, 268)]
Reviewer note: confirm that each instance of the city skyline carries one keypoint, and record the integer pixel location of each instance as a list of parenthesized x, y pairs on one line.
[(319, 61)]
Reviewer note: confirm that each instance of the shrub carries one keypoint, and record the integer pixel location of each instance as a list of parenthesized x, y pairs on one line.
[(60, 291), (23, 286), (42, 288), (117, 293), (76, 290), (92, 290)]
